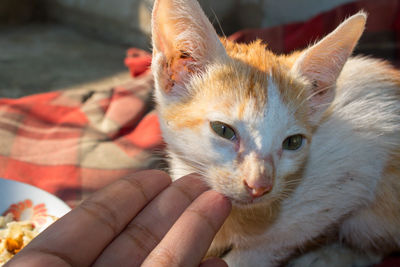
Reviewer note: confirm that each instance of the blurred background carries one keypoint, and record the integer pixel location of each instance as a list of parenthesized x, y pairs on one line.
[(78, 44)]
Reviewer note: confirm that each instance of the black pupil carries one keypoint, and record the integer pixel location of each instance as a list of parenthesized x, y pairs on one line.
[(223, 129), (293, 141)]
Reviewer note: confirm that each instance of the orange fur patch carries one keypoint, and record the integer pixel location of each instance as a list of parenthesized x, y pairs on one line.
[(184, 116), (257, 56)]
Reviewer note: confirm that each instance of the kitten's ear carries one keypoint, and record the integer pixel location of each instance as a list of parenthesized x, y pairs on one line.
[(184, 42), (322, 63)]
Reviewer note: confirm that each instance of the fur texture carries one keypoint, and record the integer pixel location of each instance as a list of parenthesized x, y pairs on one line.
[(343, 179)]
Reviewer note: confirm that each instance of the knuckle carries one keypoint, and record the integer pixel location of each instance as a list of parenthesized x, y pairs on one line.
[(137, 186), (203, 217), (102, 213), (184, 191), (142, 236)]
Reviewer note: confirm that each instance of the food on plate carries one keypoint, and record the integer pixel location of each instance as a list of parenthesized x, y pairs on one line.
[(14, 235)]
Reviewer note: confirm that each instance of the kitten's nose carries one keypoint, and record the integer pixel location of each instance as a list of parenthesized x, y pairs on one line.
[(257, 190)]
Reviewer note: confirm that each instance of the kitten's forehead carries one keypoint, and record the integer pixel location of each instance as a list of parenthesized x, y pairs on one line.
[(243, 95), (238, 83), (256, 58), (239, 87)]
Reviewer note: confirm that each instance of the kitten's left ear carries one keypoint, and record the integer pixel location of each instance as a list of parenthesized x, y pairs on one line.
[(184, 42), (322, 63)]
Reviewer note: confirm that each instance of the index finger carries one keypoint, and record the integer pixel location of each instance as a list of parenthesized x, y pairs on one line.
[(101, 217), (188, 240)]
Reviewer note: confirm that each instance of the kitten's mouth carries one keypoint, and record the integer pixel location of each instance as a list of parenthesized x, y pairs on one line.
[(245, 202)]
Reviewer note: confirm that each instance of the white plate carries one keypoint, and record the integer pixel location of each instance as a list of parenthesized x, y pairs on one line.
[(28, 202)]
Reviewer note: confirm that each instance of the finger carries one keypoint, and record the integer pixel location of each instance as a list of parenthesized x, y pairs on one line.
[(190, 237), (80, 236), (142, 235), (214, 262)]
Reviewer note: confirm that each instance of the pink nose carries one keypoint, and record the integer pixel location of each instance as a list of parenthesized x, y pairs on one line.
[(257, 190)]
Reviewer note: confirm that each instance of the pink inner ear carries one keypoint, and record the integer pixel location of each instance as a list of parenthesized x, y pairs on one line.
[(184, 42), (178, 70)]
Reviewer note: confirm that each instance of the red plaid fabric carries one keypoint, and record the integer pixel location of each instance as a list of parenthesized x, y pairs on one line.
[(71, 143)]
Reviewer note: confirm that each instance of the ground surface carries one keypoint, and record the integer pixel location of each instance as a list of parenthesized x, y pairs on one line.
[(36, 58)]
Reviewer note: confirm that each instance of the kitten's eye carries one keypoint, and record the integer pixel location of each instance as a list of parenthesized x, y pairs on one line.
[(293, 142), (223, 130)]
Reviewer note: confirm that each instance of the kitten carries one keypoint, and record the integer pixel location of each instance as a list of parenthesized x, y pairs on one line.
[(304, 145)]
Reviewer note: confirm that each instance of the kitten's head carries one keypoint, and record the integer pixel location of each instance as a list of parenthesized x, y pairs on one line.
[(238, 114)]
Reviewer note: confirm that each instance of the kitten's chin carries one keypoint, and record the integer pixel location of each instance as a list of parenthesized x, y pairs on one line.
[(243, 203)]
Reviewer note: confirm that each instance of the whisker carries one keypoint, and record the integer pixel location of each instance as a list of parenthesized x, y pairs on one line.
[(218, 22)]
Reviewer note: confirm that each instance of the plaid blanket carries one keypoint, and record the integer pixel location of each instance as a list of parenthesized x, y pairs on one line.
[(71, 143)]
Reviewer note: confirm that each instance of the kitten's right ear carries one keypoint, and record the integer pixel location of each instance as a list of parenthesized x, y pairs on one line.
[(184, 42)]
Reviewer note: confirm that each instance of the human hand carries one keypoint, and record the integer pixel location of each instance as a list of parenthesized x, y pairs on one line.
[(144, 219)]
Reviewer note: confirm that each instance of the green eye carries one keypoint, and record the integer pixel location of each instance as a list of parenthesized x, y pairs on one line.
[(293, 142), (223, 130)]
